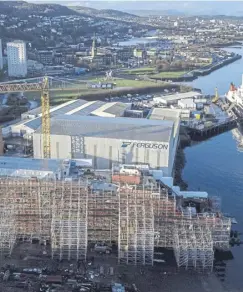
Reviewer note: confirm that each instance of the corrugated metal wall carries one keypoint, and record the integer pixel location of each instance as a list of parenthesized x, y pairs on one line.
[(105, 151)]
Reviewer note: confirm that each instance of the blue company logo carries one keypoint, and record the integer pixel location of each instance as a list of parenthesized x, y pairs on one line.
[(153, 146), (125, 144)]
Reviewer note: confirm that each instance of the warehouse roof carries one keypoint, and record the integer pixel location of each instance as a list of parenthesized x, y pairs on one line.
[(112, 109), (178, 96), (33, 124), (164, 114), (116, 128), (77, 107), (92, 106), (17, 163)]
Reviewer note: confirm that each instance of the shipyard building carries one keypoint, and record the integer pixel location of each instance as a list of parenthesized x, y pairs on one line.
[(102, 132), (109, 140)]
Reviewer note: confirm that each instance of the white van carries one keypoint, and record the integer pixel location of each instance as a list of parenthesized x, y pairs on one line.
[(129, 170)]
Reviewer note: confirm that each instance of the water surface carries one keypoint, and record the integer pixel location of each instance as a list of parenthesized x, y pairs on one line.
[(216, 166)]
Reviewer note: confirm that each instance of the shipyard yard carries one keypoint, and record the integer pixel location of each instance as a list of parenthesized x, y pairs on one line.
[(120, 147), (32, 269), (103, 212)]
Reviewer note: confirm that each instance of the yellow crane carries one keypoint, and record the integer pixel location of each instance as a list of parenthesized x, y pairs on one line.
[(216, 97), (43, 86)]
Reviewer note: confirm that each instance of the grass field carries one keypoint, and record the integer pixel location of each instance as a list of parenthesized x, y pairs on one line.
[(60, 96), (127, 82), (168, 74), (138, 71)]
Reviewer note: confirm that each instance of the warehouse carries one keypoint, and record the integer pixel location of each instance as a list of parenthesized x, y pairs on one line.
[(31, 120), (174, 98), (107, 140)]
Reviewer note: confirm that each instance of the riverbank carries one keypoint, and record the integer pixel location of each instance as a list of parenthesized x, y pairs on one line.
[(194, 74)]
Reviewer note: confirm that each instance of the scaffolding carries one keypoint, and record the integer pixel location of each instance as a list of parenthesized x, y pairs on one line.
[(69, 222), (7, 227), (102, 216), (136, 227), (138, 218), (193, 245), (165, 215)]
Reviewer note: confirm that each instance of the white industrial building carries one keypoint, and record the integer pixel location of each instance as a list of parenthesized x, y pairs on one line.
[(1, 55), (172, 99), (187, 103), (110, 140), (102, 132), (17, 59)]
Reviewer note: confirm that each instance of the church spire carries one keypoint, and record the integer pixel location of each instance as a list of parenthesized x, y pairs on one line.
[(94, 49)]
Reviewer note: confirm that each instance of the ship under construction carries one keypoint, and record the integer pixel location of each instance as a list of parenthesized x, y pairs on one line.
[(69, 215)]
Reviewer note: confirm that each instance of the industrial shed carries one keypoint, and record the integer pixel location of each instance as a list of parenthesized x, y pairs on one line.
[(173, 115), (174, 98), (29, 167), (109, 140), (31, 120)]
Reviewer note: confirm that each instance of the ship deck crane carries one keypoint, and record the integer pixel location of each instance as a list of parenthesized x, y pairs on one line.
[(43, 85)]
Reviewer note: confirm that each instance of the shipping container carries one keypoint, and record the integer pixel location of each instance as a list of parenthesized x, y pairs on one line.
[(129, 179)]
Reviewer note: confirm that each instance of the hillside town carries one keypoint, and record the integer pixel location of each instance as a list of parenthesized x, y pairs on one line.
[(89, 40)]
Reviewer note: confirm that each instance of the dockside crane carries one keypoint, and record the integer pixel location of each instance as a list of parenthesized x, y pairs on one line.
[(43, 86), (216, 97)]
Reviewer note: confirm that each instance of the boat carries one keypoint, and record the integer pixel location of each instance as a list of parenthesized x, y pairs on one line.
[(235, 98)]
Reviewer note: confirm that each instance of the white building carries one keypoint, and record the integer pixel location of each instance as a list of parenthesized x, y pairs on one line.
[(108, 140), (17, 59), (1, 55)]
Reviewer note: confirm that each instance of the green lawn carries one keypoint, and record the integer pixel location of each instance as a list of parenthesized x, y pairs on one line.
[(168, 74), (59, 96), (138, 71), (126, 82)]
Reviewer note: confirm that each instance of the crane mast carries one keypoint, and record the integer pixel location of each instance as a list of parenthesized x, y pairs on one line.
[(45, 105)]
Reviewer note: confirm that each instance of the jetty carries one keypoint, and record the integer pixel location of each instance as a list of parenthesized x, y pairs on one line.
[(203, 132)]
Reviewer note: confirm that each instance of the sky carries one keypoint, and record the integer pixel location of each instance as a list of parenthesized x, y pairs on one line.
[(190, 7)]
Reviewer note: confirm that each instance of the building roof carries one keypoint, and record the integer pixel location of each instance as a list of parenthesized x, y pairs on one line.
[(90, 108), (77, 107), (178, 96), (115, 109), (164, 114), (192, 194), (33, 124), (115, 128), (18, 163)]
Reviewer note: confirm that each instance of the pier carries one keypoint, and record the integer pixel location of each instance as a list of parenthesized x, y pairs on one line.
[(200, 132)]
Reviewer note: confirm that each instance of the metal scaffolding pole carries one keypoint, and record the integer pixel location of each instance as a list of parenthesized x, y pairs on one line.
[(136, 227), (69, 222), (102, 216)]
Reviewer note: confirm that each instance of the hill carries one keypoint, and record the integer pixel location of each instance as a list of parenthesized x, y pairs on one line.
[(22, 8), (104, 13)]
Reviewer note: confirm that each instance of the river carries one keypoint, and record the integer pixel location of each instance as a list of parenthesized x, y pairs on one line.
[(216, 166)]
